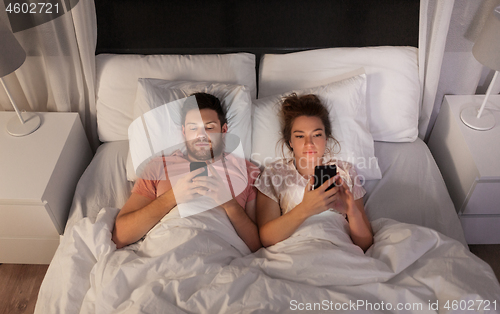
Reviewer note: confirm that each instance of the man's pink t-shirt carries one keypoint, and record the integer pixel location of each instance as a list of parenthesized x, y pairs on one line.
[(155, 181)]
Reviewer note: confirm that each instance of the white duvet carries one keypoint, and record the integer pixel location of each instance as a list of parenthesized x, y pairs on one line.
[(199, 265)]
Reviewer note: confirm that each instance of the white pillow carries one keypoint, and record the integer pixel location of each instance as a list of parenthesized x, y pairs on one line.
[(393, 87), (345, 100), (117, 81), (154, 93)]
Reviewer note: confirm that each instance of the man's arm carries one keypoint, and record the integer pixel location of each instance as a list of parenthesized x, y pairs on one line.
[(139, 215), (244, 226)]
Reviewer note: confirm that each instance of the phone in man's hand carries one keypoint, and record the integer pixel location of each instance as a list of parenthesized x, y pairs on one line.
[(323, 173), (197, 165)]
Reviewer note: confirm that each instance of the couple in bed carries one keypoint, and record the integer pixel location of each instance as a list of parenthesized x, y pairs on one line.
[(262, 212)]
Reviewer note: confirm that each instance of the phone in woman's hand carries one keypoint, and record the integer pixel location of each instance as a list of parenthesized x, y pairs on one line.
[(323, 173)]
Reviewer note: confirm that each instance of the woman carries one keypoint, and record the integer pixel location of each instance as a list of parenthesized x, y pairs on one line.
[(285, 196)]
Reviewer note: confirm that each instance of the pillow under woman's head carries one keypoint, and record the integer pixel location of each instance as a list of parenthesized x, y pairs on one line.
[(345, 101), (392, 88)]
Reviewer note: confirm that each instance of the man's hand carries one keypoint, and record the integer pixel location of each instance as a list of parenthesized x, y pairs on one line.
[(213, 187), (186, 189)]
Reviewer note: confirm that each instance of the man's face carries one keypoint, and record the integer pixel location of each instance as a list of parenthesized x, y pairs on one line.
[(203, 134)]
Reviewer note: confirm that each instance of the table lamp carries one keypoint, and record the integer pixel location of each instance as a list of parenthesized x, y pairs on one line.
[(486, 50), (12, 56)]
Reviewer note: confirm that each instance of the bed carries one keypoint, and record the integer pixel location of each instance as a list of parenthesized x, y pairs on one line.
[(419, 262)]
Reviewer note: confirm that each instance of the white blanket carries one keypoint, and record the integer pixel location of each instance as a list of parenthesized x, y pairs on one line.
[(199, 265)]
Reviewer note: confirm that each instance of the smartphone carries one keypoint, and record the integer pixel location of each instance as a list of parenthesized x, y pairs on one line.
[(197, 165), (323, 173)]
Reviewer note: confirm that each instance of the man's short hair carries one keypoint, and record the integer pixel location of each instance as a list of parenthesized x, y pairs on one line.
[(204, 101)]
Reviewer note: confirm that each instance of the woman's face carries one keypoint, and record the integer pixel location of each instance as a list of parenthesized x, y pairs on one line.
[(308, 139)]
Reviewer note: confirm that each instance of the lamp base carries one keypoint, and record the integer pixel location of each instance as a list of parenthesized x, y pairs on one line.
[(469, 118), (31, 123)]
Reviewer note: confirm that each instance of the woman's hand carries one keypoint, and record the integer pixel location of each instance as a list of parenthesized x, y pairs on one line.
[(360, 229), (318, 200), (344, 199)]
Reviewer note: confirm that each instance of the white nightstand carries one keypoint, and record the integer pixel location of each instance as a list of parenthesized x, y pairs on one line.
[(469, 161), (38, 176)]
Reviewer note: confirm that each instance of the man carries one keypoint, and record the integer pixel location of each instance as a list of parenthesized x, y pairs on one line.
[(204, 128)]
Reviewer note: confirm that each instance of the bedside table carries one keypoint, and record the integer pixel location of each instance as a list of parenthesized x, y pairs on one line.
[(469, 161), (38, 177)]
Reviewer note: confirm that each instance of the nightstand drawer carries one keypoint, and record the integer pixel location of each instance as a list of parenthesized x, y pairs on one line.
[(481, 229), (38, 176), (469, 162), (26, 221), (485, 199), (27, 251)]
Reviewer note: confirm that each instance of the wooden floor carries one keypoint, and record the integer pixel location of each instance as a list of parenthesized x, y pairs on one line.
[(19, 284), (490, 253)]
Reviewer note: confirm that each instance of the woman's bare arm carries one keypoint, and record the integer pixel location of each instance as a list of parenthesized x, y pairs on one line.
[(274, 227), (361, 231), (359, 225)]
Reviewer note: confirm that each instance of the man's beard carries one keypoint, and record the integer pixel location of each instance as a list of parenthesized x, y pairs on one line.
[(205, 153)]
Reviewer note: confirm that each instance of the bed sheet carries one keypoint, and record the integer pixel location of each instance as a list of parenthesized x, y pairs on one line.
[(201, 265), (411, 189), (103, 184)]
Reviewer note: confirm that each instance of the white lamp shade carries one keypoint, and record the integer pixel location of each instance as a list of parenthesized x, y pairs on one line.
[(12, 55), (487, 46)]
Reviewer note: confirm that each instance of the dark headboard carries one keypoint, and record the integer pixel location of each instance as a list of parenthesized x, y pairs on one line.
[(256, 26)]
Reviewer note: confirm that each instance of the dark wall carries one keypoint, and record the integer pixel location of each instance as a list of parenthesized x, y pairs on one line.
[(252, 25)]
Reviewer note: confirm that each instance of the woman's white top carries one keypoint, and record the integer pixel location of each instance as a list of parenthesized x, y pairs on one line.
[(281, 182)]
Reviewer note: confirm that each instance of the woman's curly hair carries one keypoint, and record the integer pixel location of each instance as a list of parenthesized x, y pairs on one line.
[(294, 106)]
